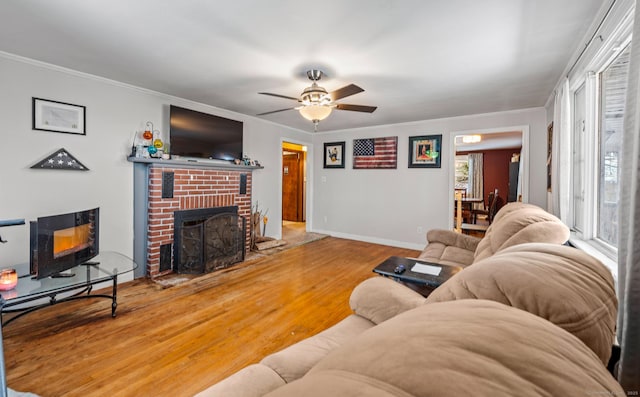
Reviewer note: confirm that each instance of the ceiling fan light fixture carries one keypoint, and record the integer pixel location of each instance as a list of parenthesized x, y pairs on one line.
[(314, 94), (315, 112), (316, 103)]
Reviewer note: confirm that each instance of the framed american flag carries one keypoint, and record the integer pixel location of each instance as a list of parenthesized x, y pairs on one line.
[(375, 153)]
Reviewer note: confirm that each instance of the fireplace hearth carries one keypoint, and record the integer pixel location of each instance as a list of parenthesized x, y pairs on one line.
[(208, 239)]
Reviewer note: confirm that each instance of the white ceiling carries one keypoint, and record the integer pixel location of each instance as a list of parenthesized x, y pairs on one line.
[(416, 59)]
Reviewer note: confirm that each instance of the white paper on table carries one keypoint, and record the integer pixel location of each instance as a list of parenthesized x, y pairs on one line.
[(426, 269)]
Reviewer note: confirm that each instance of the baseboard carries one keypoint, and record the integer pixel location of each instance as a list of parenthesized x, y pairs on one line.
[(373, 240)]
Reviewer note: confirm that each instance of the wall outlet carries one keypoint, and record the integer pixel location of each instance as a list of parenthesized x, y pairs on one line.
[(419, 230), (325, 219), (323, 179)]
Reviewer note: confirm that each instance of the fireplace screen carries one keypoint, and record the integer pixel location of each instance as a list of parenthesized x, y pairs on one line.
[(208, 243)]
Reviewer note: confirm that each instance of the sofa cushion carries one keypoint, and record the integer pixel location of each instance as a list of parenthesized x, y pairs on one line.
[(379, 298), (519, 223), (253, 381), (459, 348), (561, 284), (449, 248), (296, 360)]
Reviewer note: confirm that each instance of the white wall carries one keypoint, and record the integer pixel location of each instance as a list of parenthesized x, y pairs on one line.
[(114, 112), (388, 206)]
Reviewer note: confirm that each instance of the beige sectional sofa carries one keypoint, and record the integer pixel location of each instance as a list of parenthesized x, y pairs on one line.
[(530, 319), (515, 223)]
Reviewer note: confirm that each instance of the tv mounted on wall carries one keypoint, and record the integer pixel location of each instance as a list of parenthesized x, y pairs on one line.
[(60, 242), (201, 135)]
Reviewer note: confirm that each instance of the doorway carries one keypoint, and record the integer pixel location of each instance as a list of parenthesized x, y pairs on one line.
[(488, 164), (294, 179)]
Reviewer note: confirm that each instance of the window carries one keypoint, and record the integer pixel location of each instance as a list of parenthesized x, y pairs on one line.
[(613, 89), (462, 172), (598, 105), (579, 131), (590, 108)]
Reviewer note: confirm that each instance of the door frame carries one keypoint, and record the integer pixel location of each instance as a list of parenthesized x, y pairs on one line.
[(309, 185), (301, 165), (524, 159)]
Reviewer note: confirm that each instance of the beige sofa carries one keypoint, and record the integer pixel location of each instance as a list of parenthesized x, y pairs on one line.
[(531, 319), (515, 223)]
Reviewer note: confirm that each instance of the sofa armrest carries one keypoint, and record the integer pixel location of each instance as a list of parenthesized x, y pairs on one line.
[(379, 298), (451, 238), (256, 380), (449, 248)]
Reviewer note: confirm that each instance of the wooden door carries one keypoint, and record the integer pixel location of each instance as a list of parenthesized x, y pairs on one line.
[(292, 187)]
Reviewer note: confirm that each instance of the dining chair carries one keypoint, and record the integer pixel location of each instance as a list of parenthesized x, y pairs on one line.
[(484, 212)]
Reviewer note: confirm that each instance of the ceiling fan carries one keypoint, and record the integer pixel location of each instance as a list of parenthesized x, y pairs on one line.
[(316, 103)]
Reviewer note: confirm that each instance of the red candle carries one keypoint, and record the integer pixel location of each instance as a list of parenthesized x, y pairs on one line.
[(8, 279)]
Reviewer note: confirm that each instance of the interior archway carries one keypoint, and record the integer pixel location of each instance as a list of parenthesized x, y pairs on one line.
[(502, 155)]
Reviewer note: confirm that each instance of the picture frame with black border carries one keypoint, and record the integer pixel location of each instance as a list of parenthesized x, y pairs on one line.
[(425, 151), (58, 116), (334, 155)]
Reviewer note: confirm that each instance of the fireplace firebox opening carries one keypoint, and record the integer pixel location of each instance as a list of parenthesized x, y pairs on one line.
[(208, 239)]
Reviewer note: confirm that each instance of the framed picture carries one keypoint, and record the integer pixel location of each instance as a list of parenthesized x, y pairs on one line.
[(58, 117), (425, 151), (334, 155)]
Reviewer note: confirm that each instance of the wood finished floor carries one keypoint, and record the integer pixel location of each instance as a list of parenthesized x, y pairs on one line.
[(177, 341)]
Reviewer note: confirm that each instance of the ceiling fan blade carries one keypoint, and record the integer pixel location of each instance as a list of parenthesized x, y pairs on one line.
[(356, 108), (278, 95), (274, 111), (344, 92)]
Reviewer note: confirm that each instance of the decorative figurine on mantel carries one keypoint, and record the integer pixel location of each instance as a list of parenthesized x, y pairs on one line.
[(149, 143), (246, 160)]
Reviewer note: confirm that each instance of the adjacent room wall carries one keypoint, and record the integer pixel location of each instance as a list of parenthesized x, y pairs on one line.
[(114, 112), (495, 167), (397, 207)]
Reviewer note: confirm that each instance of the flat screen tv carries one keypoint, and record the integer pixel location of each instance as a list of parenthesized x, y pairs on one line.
[(201, 135), (60, 242)]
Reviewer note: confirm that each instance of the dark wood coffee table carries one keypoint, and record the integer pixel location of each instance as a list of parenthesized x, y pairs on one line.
[(421, 276)]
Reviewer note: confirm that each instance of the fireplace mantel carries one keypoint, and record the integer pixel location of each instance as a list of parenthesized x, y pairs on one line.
[(180, 163)]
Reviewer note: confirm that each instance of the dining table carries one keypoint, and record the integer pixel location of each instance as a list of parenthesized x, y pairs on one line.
[(467, 204)]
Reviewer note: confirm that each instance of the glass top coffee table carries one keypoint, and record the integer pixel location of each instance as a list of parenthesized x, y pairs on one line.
[(416, 274), (77, 283)]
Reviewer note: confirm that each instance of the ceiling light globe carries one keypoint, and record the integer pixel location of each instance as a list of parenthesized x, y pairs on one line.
[(315, 112)]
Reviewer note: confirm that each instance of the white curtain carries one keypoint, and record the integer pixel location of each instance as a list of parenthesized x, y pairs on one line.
[(561, 153), (629, 229), (476, 178)]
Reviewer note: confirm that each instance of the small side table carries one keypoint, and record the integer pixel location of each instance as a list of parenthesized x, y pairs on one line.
[(423, 278)]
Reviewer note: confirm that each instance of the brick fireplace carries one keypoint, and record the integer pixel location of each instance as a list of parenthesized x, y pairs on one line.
[(173, 189)]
